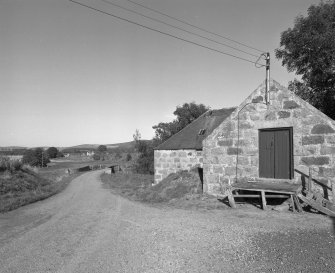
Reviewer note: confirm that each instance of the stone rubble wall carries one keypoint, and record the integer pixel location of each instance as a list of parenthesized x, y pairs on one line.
[(313, 140), (172, 161)]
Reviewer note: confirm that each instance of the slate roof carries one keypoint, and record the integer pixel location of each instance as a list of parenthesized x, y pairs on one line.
[(189, 137)]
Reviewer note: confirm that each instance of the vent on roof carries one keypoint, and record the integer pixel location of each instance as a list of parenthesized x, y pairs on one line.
[(202, 132)]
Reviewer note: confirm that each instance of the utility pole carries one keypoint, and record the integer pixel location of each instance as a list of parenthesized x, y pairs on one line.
[(267, 80)]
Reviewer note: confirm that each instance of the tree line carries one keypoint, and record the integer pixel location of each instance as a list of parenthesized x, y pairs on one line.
[(39, 157)]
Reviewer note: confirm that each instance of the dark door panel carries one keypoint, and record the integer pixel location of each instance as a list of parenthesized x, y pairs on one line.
[(275, 153), (266, 154), (282, 154)]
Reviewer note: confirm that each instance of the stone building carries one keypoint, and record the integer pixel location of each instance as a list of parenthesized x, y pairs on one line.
[(281, 141), (183, 151)]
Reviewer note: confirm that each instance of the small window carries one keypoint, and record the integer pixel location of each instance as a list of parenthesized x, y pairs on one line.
[(202, 132)]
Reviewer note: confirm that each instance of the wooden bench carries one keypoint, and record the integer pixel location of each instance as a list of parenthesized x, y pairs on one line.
[(278, 190)]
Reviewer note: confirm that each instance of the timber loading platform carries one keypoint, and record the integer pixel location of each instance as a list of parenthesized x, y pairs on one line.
[(301, 195)]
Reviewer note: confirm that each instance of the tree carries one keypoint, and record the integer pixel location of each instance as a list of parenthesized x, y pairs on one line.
[(52, 152), (145, 150), (137, 136), (102, 148), (188, 112), (35, 157), (308, 49), (145, 161), (185, 114)]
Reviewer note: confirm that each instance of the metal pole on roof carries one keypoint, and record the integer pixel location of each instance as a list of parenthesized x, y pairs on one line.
[(267, 80)]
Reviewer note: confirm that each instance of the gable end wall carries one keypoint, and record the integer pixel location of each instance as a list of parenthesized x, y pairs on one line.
[(313, 140)]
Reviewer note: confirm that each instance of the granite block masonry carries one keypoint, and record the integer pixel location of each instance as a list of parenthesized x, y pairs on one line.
[(184, 150), (231, 151), (172, 161)]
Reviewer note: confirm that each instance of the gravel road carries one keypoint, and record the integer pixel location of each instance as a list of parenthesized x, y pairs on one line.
[(88, 229)]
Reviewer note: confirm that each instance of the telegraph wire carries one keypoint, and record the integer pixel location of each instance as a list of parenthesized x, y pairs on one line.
[(187, 31), (192, 25), (257, 62), (161, 32)]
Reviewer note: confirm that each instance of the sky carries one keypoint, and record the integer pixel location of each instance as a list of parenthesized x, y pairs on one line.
[(71, 75)]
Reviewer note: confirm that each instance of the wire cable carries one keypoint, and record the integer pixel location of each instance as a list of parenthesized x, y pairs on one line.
[(161, 32), (257, 62), (179, 28), (200, 28)]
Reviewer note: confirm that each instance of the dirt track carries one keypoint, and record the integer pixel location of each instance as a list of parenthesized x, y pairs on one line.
[(88, 229)]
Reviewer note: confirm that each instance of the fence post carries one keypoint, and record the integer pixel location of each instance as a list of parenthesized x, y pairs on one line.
[(310, 179), (333, 190)]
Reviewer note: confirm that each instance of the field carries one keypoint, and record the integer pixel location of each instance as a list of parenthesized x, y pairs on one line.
[(15, 157)]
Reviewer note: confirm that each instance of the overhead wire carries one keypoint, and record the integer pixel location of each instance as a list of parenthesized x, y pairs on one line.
[(257, 62), (161, 32), (192, 25), (179, 28)]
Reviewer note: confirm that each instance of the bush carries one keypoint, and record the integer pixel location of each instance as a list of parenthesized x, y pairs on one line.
[(128, 158), (118, 156), (15, 165), (6, 164), (96, 157), (29, 169)]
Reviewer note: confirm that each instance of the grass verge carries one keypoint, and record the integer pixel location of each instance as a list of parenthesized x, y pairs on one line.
[(25, 186), (182, 190)]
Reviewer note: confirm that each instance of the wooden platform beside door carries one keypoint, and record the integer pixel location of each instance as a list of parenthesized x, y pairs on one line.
[(280, 190)]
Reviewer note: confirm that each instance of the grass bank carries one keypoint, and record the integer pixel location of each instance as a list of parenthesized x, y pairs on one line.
[(26, 186), (182, 190), (21, 184)]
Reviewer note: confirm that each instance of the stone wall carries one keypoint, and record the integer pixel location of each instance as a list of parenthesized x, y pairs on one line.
[(231, 151), (172, 161)]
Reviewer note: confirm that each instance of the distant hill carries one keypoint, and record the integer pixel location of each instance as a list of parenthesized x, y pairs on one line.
[(11, 148), (82, 147), (124, 146)]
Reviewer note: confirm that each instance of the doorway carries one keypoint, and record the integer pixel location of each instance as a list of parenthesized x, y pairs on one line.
[(276, 153)]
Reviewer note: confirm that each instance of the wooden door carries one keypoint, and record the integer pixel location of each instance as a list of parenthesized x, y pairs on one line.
[(275, 153), (266, 154), (282, 154)]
